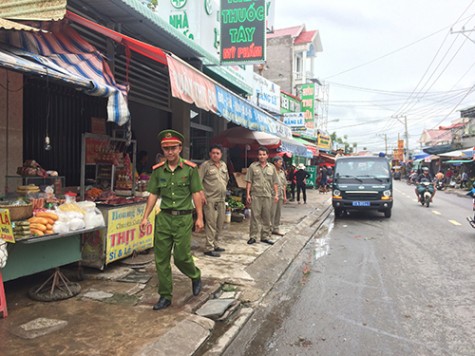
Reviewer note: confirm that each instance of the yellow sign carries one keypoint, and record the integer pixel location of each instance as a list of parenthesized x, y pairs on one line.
[(6, 231), (123, 232), (324, 142)]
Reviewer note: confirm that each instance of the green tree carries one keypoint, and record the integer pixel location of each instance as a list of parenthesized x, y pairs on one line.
[(342, 141)]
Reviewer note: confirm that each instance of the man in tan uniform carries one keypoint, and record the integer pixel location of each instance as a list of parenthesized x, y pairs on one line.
[(214, 177), (261, 187), (277, 206)]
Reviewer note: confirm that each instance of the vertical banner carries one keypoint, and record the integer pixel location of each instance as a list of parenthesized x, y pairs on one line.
[(243, 31), (308, 104)]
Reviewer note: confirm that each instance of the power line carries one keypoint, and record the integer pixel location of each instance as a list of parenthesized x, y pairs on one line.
[(392, 52)]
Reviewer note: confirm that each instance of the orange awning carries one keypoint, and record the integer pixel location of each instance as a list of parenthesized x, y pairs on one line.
[(143, 48)]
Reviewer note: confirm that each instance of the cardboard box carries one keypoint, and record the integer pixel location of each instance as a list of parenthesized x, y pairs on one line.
[(240, 179)]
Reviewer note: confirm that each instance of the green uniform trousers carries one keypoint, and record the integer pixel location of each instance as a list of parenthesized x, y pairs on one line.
[(260, 227), (275, 214), (173, 232), (214, 214)]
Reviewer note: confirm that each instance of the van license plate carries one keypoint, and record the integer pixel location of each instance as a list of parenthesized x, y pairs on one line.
[(361, 203)]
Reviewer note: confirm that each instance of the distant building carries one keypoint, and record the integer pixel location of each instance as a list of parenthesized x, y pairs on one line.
[(290, 57)]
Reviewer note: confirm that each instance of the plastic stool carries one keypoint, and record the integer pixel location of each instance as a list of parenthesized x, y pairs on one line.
[(3, 300)]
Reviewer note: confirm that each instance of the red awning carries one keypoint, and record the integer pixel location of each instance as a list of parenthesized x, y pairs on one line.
[(143, 48)]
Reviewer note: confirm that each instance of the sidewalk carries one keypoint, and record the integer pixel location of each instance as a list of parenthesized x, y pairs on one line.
[(112, 316)]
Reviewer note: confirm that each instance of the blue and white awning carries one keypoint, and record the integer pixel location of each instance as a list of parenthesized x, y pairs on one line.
[(65, 56)]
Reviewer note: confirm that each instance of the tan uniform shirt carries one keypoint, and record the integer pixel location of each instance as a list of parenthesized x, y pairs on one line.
[(282, 183), (215, 180), (262, 179)]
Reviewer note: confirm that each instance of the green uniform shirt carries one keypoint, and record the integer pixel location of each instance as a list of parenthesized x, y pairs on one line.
[(262, 179), (175, 188), (215, 180), (282, 183)]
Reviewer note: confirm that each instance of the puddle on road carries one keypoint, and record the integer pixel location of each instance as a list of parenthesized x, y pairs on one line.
[(322, 240)]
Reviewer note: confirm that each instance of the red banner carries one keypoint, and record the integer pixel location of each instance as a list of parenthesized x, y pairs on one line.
[(191, 86)]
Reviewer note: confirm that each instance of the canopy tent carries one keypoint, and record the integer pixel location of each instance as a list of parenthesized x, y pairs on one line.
[(463, 153), (240, 136), (458, 162), (420, 155), (312, 147)]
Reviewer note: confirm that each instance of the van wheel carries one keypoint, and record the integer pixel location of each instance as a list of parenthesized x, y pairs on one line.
[(387, 213)]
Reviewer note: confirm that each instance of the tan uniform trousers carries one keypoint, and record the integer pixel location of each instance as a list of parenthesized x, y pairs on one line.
[(275, 215), (214, 214), (260, 227)]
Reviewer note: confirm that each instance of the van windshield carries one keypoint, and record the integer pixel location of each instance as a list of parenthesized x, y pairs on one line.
[(362, 170)]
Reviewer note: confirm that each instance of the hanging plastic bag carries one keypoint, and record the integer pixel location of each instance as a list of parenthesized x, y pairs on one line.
[(3, 253)]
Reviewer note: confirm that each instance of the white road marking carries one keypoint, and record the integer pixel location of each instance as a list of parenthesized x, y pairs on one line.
[(436, 212), (453, 222)]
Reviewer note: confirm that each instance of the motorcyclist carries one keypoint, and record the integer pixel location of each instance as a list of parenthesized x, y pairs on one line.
[(425, 176), (472, 194)]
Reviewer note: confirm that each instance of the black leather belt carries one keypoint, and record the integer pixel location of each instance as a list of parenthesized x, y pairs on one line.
[(177, 212)]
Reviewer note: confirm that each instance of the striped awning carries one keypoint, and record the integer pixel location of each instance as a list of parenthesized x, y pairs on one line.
[(62, 53)]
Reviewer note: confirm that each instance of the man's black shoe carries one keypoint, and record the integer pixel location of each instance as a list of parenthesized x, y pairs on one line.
[(196, 286), (212, 254), (162, 303), (219, 249), (251, 241), (268, 241)]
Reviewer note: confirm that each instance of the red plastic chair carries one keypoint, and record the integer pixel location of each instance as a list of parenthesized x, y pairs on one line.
[(3, 300)]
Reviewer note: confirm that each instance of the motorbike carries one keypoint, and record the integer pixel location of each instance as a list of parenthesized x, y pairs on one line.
[(440, 185), (411, 179), (471, 220), (426, 195)]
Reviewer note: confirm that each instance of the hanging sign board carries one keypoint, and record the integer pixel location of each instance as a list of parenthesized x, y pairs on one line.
[(243, 31), (6, 231)]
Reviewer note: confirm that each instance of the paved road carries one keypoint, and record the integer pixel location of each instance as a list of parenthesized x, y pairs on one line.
[(376, 286)]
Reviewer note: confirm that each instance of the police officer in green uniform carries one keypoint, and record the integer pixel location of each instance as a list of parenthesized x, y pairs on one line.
[(261, 186), (177, 182)]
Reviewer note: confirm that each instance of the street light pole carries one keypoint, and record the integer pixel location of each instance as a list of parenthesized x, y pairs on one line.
[(406, 135)]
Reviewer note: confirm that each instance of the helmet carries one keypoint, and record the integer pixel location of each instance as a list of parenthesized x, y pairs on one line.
[(425, 169)]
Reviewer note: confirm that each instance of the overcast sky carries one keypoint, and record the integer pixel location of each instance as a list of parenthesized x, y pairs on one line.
[(386, 58)]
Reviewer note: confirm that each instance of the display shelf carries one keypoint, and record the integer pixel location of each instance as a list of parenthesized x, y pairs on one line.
[(12, 182)]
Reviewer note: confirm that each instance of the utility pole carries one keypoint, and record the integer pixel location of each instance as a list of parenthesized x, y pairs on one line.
[(385, 143), (406, 134)]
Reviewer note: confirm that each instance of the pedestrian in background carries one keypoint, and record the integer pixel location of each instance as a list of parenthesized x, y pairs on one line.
[(215, 177), (282, 189), (293, 180), (261, 188), (301, 177), (177, 182)]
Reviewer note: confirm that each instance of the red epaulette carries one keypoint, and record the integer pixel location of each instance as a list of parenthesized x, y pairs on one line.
[(158, 165), (189, 163)]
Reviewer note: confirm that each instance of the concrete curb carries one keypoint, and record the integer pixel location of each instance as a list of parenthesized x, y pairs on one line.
[(269, 268)]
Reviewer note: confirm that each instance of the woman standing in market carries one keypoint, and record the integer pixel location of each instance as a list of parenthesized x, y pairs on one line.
[(301, 177), (282, 188)]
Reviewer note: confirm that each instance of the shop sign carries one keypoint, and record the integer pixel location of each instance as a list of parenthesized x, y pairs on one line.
[(307, 94), (6, 231), (295, 120), (324, 142), (243, 35), (289, 104), (191, 86), (123, 232), (195, 19), (237, 110), (266, 94)]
